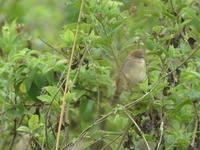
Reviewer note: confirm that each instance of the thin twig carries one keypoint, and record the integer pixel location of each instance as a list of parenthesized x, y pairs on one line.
[(54, 97), (52, 47), (161, 136), (140, 131), (98, 89), (79, 67), (15, 123), (68, 76), (88, 146), (161, 129), (37, 143), (113, 53), (14, 134), (77, 74), (171, 3), (194, 134), (124, 135), (47, 116), (105, 146)]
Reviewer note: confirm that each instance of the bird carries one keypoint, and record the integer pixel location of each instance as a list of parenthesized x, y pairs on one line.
[(132, 71)]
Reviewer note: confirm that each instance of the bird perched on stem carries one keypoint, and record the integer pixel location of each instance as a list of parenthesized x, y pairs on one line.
[(133, 70)]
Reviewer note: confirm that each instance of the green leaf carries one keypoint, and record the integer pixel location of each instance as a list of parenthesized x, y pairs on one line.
[(69, 96), (33, 122), (45, 98), (86, 110), (117, 123), (78, 93), (24, 129), (157, 29), (52, 90), (68, 36)]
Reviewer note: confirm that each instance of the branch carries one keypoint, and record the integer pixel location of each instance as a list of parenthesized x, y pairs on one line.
[(68, 76), (47, 115), (140, 131), (194, 134), (59, 88), (52, 47), (79, 67), (105, 146), (161, 136), (15, 134), (124, 135)]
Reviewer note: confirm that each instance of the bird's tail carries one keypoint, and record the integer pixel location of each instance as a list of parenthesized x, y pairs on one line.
[(116, 96)]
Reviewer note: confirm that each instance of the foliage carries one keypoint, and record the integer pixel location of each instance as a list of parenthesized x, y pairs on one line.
[(33, 72)]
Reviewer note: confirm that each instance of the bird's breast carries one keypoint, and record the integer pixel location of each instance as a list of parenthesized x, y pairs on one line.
[(138, 72)]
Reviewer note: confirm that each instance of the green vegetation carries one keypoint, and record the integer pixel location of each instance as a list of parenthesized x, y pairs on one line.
[(37, 39)]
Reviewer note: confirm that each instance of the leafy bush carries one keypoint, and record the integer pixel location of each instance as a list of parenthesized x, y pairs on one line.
[(163, 110)]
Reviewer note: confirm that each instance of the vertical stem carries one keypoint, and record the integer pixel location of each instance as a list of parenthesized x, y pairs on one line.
[(68, 76)]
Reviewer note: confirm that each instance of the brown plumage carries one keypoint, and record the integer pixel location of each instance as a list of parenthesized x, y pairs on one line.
[(133, 70)]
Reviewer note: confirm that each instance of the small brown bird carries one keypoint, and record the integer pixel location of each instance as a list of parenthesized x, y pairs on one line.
[(132, 71)]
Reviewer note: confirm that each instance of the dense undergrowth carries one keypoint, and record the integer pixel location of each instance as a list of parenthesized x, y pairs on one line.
[(164, 110)]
